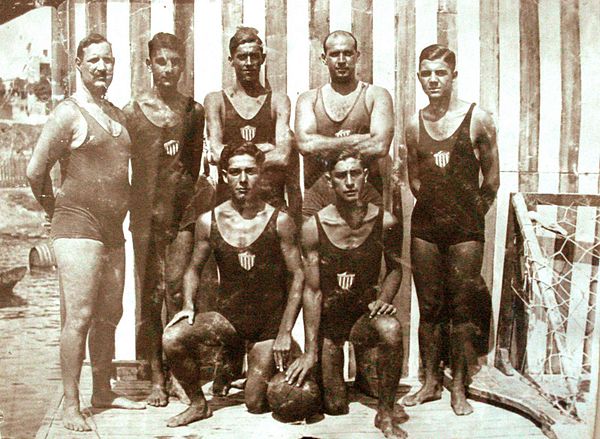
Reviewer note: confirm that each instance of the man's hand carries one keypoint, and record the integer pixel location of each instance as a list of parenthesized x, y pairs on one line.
[(184, 313), (281, 350), (300, 368), (265, 147), (171, 147), (379, 307)]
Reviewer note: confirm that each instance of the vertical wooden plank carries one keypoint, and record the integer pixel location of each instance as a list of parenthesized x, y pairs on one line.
[(530, 95), (425, 35), (446, 23), (80, 31), (139, 31), (340, 16), (184, 30), (571, 94), (61, 62), (231, 19), (589, 153), (253, 12), (550, 95), (489, 91), (208, 62), (162, 16), (95, 11), (362, 28), (276, 34), (318, 28)]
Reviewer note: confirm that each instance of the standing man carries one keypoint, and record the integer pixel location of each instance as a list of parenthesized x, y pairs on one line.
[(250, 112), (87, 134), (343, 114), (166, 130), (257, 253), (450, 142), (343, 244)]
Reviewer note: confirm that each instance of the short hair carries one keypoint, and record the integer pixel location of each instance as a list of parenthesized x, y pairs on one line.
[(336, 33), (346, 154), (244, 35), (163, 40), (437, 51), (92, 38), (246, 148)]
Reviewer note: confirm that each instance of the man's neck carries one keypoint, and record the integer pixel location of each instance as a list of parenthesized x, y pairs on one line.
[(345, 88), (87, 96), (169, 95), (438, 107), (247, 208), (251, 88), (352, 213)]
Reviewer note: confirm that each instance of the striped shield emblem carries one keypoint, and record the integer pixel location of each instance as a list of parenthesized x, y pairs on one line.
[(441, 158), (246, 260), (248, 132), (345, 280)]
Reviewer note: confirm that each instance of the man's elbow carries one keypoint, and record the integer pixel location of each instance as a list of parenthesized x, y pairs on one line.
[(34, 175)]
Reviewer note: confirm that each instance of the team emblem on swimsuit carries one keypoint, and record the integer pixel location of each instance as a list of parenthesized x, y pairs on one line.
[(246, 260), (345, 280), (441, 158), (248, 132)]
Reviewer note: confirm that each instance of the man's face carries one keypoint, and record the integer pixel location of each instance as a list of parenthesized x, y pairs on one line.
[(246, 61), (348, 179), (166, 66), (436, 78), (242, 175), (340, 58), (96, 67)]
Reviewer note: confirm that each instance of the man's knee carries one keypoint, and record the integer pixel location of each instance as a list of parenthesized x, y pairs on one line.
[(389, 330), (172, 339), (256, 402), (431, 311)]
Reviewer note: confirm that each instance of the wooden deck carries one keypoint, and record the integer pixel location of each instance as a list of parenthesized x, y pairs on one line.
[(231, 420)]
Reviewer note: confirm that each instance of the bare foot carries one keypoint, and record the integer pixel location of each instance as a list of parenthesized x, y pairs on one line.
[(176, 390), (110, 400), (158, 396), (385, 421), (399, 415), (459, 403), (427, 393), (220, 388), (73, 419), (195, 412)]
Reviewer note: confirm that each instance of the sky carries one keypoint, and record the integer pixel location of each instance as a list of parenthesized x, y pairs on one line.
[(33, 27)]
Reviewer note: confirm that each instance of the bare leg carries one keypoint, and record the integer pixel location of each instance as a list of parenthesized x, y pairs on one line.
[(180, 344), (107, 313), (79, 263), (261, 368), (471, 310), (335, 395), (388, 338), (429, 274)]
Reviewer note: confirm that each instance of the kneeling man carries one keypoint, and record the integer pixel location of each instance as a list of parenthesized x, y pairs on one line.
[(343, 244), (256, 251)]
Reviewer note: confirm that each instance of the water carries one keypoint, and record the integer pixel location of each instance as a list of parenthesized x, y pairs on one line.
[(29, 335)]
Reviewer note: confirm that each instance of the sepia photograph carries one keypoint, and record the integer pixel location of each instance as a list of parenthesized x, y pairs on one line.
[(299, 219)]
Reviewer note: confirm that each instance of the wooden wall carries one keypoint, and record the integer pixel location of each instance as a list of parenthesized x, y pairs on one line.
[(531, 63)]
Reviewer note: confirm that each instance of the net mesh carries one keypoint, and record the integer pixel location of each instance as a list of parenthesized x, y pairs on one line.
[(558, 286)]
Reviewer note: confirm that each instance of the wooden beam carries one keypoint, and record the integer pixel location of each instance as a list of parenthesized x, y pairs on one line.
[(232, 17), (318, 28), (362, 28), (139, 31), (95, 11), (184, 30), (276, 40), (446, 24), (530, 95), (60, 50)]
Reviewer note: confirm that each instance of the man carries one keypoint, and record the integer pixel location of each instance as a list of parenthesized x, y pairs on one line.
[(450, 142), (345, 113), (256, 251), (86, 133), (250, 112), (166, 130), (343, 244)]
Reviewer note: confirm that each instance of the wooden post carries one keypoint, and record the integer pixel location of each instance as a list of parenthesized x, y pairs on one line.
[(446, 23), (95, 11), (318, 28), (362, 28), (184, 30), (60, 54), (232, 18), (139, 31)]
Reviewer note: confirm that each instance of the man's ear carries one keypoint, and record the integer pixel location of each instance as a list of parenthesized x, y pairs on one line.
[(454, 74), (229, 58), (149, 63), (224, 173), (328, 178), (324, 58), (366, 171), (77, 63)]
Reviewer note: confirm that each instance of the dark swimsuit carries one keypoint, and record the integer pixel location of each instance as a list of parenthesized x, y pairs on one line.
[(349, 278), (93, 199), (252, 290), (446, 209)]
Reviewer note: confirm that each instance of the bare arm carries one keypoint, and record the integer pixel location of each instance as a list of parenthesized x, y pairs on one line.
[(311, 301), (213, 107), (293, 262), (382, 125), (279, 154), (485, 142), (309, 141), (197, 140), (412, 141), (53, 143)]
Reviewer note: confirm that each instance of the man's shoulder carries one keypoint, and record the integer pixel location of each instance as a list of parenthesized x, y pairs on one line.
[(376, 92), (213, 99), (309, 95), (482, 116)]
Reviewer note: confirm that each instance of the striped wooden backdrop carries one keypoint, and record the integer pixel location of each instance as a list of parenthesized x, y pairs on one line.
[(532, 63)]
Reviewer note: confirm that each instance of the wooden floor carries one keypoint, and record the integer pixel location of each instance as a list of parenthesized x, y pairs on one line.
[(231, 420)]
